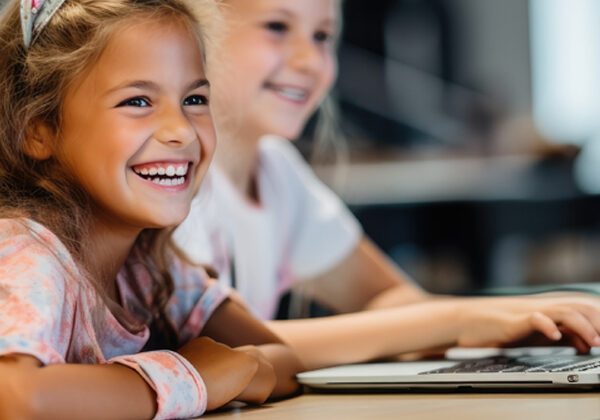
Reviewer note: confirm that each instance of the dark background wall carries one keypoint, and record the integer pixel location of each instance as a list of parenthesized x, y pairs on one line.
[(445, 168)]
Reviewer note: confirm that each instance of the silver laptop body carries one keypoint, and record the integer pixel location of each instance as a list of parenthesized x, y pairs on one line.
[(515, 368)]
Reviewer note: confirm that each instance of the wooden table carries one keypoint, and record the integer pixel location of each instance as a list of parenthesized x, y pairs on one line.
[(413, 406)]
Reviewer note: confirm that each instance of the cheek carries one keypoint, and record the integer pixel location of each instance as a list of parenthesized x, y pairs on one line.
[(252, 61), (208, 139), (123, 142), (328, 75), (209, 144), (207, 149)]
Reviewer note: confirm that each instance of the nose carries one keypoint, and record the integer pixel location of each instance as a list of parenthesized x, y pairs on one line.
[(305, 55), (174, 128)]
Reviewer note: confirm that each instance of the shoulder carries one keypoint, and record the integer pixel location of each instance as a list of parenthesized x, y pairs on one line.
[(38, 291), (16, 234), (282, 166), (30, 254)]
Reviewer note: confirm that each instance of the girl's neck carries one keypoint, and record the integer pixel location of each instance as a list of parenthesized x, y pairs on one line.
[(107, 250), (237, 156)]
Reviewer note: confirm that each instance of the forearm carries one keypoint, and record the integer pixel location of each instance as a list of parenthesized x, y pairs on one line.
[(368, 335), (473, 322), (76, 392), (94, 391)]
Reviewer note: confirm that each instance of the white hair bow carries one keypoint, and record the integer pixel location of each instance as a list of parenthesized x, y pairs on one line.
[(35, 14)]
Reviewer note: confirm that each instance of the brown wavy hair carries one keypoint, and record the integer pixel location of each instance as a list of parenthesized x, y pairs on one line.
[(33, 83)]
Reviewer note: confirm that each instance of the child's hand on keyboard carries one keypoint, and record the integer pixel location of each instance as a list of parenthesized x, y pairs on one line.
[(502, 321)]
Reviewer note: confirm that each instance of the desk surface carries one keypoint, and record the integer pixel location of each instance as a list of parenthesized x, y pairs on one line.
[(489, 406)]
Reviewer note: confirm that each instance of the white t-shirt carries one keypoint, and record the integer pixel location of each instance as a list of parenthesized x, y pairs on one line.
[(300, 228)]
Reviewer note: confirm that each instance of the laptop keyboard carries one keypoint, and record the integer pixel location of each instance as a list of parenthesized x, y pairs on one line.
[(522, 364)]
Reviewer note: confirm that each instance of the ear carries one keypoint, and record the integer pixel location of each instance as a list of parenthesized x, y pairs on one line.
[(38, 141)]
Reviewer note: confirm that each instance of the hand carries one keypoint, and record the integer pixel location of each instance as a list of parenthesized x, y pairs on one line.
[(501, 321), (264, 379), (226, 372)]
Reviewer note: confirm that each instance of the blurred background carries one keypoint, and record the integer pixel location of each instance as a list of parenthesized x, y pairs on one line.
[(472, 138)]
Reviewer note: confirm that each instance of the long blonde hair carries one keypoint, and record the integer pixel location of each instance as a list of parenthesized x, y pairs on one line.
[(33, 83)]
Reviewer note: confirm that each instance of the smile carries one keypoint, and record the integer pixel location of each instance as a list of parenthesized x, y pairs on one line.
[(167, 174), (289, 93)]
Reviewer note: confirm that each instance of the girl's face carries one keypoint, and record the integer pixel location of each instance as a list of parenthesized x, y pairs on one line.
[(136, 132), (275, 63)]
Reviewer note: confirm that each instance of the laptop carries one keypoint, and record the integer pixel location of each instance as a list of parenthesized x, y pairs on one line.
[(464, 369)]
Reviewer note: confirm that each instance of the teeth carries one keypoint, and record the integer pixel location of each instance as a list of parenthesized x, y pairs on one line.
[(297, 96), (169, 182), (176, 176), (291, 93)]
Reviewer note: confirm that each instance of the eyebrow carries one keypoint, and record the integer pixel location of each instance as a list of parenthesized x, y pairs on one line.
[(282, 11), (148, 85), (329, 21), (199, 83)]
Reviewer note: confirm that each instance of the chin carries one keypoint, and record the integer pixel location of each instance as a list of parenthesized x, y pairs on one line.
[(290, 134), (172, 221), (285, 126)]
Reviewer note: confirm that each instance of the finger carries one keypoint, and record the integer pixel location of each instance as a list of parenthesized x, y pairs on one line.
[(574, 340), (262, 384), (578, 324), (592, 313), (249, 349), (544, 324)]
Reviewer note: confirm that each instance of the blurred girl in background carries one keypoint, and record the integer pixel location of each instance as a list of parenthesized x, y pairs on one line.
[(267, 224)]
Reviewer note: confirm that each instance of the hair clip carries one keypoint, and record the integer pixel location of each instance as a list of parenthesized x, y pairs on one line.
[(35, 14)]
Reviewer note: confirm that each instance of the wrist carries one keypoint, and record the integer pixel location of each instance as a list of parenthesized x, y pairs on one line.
[(225, 371), (457, 313), (185, 397)]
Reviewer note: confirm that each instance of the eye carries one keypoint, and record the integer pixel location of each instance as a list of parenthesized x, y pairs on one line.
[(138, 102), (193, 100), (322, 37), (278, 27)]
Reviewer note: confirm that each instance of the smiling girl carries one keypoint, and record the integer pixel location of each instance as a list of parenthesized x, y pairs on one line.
[(269, 224), (105, 135)]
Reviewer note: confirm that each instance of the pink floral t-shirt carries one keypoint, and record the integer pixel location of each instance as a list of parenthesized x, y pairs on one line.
[(50, 311)]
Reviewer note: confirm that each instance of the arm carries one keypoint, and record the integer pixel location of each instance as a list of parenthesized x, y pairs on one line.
[(105, 391), (363, 336), (231, 324), (31, 391), (365, 279)]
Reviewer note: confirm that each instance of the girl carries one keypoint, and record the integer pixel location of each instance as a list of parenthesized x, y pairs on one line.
[(272, 223), (105, 136)]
